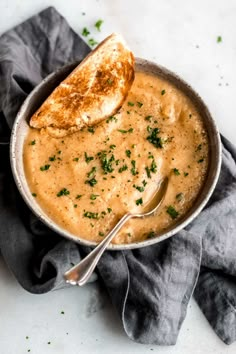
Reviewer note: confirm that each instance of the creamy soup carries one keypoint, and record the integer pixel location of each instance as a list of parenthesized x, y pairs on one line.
[(88, 180)]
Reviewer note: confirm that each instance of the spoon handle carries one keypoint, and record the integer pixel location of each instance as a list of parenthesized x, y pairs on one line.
[(81, 272)]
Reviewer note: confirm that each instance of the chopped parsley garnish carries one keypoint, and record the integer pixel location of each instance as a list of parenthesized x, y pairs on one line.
[(140, 104), (91, 130), (75, 205), (92, 172), (176, 171), (91, 215), (33, 142), (91, 181), (63, 191), (98, 25), (109, 210), (130, 130), (106, 162), (92, 42), (34, 195), (59, 152), (148, 171), (151, 234), (139, 188), (109, 81), (153, 138), (45, 167), (112, 147), (130, 104), (201, 160), (179, 196), (139, 201), (128, 153), (85, 32), (88, 158), (219, 39), (123, 168), (172, 212), (111, 118), (163, 92), (133, 169), (148, 118), (144, 183), (76, 159), (52, 158), (101, 233), (128, 112), (94, 196), (199, 147), (153, 167), (186, 174), (78, 196)]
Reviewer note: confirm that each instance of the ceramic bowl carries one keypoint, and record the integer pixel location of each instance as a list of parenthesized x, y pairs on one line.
[(42, 91)]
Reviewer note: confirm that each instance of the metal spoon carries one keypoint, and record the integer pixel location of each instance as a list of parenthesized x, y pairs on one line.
[(81, 272)]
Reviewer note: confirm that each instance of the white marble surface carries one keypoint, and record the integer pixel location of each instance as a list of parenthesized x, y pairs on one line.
[(180, 35)]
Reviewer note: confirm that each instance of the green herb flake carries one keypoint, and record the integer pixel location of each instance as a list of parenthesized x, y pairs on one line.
[(45, 167), (130, 130), (109, 81), (147, 169), (92, 42), (179, 196), (63, 191), (85, 32), (91, 181), (88, 158), (128, 112), (201, 160), (199, 147), (186, 174), (106, 162), (76, 159), (78, 196), (139, 188), (112, 147), (150, 234), (75, 205), (109, 210), (52, 158), (98, 25), (33, 142), (128, 153), (49, 343), (27, 337), (148, 118), (62, 313), (139, 201), (130, 104), (172, 212), (133, 169), (111, 119), (163, 92), (176, 171), (59, 152), (140, 104), (153, 137), (91, 130), (123, 168), (92, 172), (94, 196), (153, 167), (101, 233), (91, 215), (34, 195), (219, 39)]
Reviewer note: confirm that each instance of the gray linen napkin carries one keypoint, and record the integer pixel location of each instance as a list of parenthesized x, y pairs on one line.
[(150, 287)]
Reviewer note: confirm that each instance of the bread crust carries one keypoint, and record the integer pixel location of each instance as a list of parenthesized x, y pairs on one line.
[(92, 92)]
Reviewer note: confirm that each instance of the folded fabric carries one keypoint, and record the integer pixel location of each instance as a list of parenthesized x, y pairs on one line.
[(150, 287)]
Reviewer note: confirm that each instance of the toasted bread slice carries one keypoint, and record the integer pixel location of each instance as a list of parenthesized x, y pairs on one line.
[(93, 91)]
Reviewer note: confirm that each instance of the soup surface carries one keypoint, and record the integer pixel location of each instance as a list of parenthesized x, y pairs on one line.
[(88, 180)]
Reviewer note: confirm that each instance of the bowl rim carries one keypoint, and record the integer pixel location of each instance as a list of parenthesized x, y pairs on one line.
[(146, 64)]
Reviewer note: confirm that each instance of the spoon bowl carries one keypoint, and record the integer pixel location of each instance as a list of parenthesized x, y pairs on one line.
[(80, 273)]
